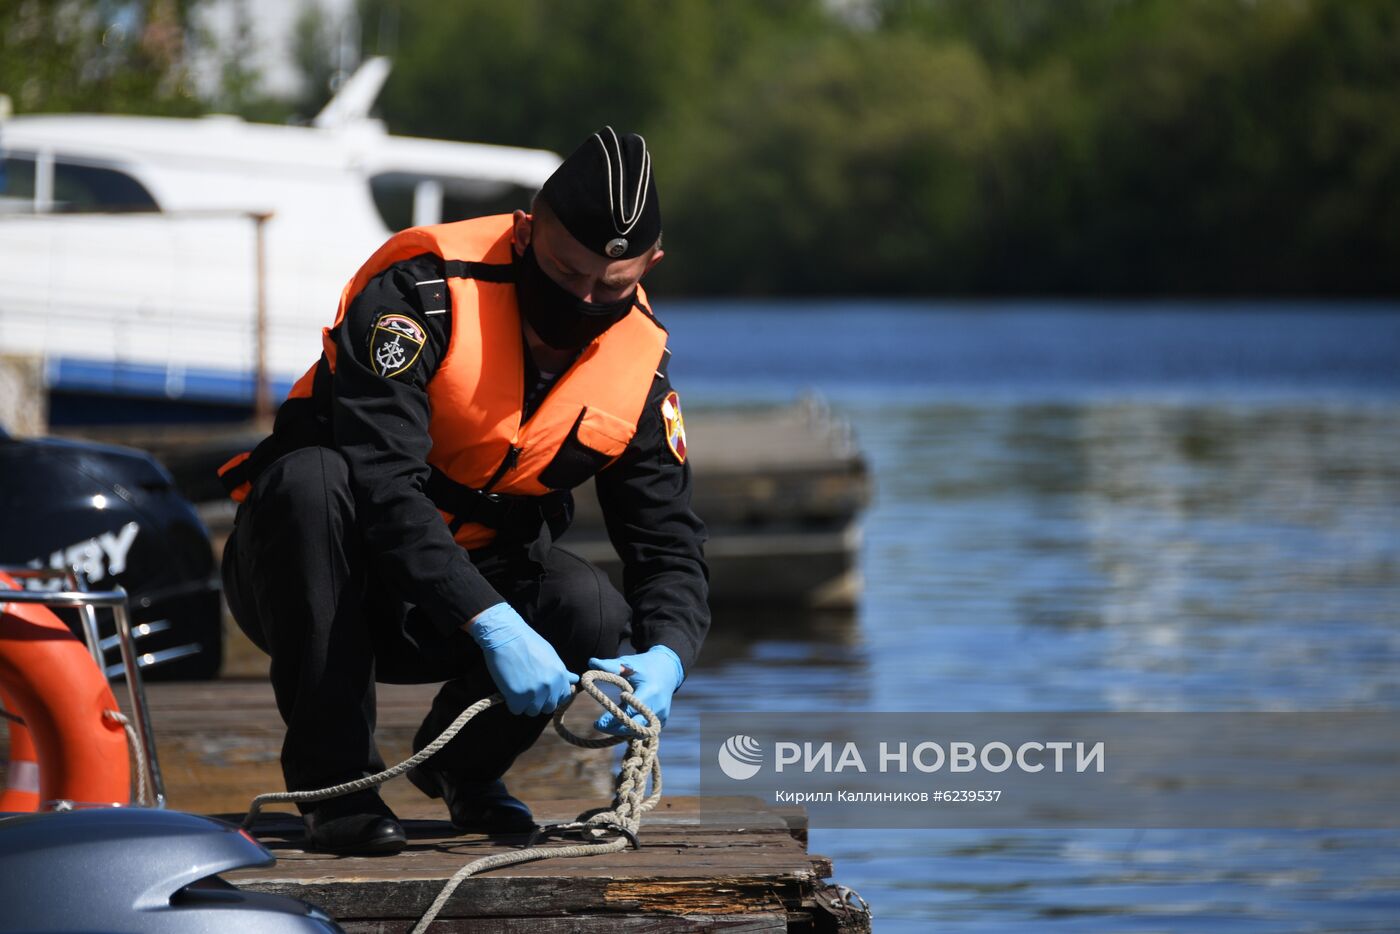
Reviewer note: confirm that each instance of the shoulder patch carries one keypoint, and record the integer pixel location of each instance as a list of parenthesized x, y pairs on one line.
[(395, 344), (675, 425)]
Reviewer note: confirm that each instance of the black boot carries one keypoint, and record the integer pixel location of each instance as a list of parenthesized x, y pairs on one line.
[(475, 807), (358, 824)]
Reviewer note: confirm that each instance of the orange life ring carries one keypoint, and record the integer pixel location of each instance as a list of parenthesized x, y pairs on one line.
[(21, 791), (51, 681)]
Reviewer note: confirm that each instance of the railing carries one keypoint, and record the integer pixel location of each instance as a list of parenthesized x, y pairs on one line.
[(86, 603), (180, 291)]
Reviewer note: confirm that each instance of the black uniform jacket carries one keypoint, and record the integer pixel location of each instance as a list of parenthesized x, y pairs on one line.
[(380, 425)]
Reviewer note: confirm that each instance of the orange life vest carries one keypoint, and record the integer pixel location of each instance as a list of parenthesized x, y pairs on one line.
[(480, 444)]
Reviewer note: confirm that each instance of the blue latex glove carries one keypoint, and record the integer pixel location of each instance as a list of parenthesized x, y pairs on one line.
[(530, 674), (655, 674)]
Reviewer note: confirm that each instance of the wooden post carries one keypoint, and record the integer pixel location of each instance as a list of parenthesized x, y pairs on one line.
[(262, 384), (23, 396)]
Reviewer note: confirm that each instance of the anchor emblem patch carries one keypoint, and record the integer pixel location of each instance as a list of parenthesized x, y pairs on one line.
[(395, 344)]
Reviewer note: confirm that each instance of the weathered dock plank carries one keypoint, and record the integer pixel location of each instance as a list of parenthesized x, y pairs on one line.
[(775, 921), (701, 860), (219, 743)]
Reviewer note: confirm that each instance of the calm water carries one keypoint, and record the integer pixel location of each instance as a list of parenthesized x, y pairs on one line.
[(1111, 508)]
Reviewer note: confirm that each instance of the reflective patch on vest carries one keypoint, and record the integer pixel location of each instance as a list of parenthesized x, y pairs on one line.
[(395, 344), (675, 425)]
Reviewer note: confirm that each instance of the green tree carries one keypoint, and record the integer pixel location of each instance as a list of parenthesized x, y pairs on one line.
[(316, 46), (853, 165), (538, 72), (917, 146), (99, 56)]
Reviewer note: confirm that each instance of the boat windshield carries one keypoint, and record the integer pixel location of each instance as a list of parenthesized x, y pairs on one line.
[(408, 199), (63, 186)]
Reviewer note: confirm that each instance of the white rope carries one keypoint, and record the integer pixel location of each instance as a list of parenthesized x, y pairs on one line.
[(370, 781), (608, 830), (138, 755)]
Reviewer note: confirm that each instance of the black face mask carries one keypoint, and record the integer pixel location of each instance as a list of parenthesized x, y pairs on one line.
[(562, 320)]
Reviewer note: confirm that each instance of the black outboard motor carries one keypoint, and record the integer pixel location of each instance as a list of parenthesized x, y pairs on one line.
[(115, 513)]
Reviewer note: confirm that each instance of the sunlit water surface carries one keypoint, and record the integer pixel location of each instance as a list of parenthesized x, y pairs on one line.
[(1163, 507)]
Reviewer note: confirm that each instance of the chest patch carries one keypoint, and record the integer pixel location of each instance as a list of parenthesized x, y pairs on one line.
[(675, 425), (395, 344)]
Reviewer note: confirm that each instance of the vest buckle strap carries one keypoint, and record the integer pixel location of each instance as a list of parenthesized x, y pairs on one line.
[(514, 517)]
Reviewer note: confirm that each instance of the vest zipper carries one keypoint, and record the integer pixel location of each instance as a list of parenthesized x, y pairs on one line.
[(512, 458)]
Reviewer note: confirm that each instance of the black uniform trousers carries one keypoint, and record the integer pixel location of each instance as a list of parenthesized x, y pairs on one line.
[(303, 587)]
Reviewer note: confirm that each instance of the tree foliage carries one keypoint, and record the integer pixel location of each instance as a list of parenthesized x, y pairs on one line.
[(967, 146), (111, 56), (879, 146)]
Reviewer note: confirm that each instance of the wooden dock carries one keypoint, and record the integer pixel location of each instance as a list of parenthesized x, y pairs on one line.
[(219, 743), (779, 488), (705, 863)]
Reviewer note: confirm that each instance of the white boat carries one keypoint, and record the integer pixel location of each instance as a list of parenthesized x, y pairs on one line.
[(129, 246)]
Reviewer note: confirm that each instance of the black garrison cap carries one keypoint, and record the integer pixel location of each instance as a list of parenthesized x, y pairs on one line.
[(605, 196)]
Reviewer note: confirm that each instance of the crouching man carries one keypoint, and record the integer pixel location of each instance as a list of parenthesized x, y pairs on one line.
[(399, 523)]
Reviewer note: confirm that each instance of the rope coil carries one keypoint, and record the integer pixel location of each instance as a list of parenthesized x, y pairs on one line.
[(606, 830)]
